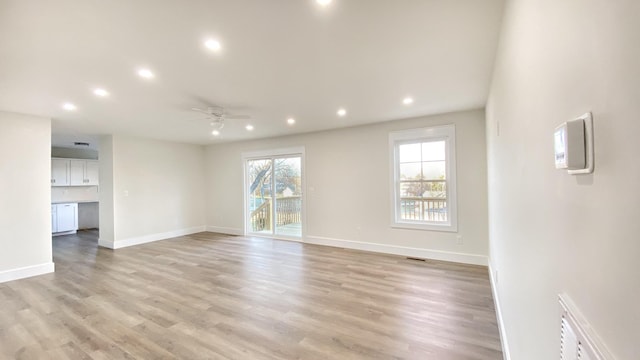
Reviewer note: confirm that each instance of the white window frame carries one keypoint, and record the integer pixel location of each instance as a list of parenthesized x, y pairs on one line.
[(435, 133), (274, 153)]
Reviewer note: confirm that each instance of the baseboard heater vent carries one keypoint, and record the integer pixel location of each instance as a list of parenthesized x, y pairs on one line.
[(577, 339)]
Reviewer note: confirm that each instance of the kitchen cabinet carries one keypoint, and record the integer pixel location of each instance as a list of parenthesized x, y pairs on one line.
[(54, 218), (74, 172), (64, 217), (83, 172), (60, 172)]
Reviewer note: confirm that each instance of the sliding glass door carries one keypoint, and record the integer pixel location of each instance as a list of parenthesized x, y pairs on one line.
[(274, 195)]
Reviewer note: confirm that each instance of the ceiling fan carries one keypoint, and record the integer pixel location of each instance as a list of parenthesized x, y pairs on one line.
[(216, 115)]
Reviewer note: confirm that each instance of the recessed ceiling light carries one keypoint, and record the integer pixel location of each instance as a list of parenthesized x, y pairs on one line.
[(101, 92), (407, 101), (69, 106), (291, 121), (249, 127), (323, 2), (215, 133), (213, 44), (342, 112), (145, 73)]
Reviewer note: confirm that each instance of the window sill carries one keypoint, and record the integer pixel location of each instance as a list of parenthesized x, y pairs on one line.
[(425, 227)]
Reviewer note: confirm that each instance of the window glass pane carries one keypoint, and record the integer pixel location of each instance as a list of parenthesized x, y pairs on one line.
[(412, 188), (424, 188), (410, 171), (433, 151), (259, 172), (435, 189), (435, 170), (410, 152), (288, 201)]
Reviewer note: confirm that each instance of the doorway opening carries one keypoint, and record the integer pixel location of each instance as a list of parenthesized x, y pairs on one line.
[(274, 194)]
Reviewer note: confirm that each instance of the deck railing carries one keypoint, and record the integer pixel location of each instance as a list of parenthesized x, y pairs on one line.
[(288, 211), (261, 217), (421, 208)]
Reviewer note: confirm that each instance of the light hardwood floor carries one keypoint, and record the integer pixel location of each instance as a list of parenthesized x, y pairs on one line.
[(212, 296)]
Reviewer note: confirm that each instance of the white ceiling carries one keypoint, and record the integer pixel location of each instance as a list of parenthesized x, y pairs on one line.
[(280, 59)]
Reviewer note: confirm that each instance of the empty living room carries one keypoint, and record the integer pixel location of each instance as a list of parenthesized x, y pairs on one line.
[(320, 179)]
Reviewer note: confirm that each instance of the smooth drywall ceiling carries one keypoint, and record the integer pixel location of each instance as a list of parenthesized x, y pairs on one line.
[(158, 186), (551, 232), (347, 185), (25, 212)]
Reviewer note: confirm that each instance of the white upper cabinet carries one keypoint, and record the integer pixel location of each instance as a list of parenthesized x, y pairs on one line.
[(74, 172), (60, 172), (83, 172), (91, 172)]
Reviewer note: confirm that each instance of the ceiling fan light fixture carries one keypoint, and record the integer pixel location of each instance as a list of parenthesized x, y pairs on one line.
[(217, 124)]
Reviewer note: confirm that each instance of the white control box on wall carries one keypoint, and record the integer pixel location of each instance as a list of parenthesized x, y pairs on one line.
[(569, 145), (573, 145)]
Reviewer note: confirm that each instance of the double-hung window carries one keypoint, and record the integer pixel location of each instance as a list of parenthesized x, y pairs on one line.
[(423, 178)]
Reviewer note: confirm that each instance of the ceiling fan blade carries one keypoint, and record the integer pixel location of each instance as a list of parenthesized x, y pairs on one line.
[(237, 117)]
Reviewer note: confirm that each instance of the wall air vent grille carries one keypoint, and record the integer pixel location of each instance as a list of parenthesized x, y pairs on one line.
[(578, 341)]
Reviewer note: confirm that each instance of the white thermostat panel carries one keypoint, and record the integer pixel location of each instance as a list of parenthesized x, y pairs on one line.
[(573, 145)]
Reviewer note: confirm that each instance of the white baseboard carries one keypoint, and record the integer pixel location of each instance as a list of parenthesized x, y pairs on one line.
[(225, 230), (150, 238), (400, 250), (27, 271), (496, 300)]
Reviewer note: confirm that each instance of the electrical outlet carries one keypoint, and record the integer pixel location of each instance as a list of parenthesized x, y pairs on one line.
[(126, 193), (459, 240)]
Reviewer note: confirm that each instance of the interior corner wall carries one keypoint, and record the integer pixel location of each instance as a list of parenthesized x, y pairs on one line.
[(157, 189), (25, 209), (551, 232), (348, 191)]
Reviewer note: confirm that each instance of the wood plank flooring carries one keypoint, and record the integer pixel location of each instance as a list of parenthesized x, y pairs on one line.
[(212, 296)]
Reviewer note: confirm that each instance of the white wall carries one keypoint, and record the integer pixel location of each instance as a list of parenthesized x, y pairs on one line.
[(74, 193), (551, 232), (106, 206), (347, 186), (25, 211), (157, 189)]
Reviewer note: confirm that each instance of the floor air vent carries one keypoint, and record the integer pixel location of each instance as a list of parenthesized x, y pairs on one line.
[(577, 340)]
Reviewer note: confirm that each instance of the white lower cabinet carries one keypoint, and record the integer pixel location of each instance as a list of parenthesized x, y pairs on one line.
[(64, 217), (54, 218)]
